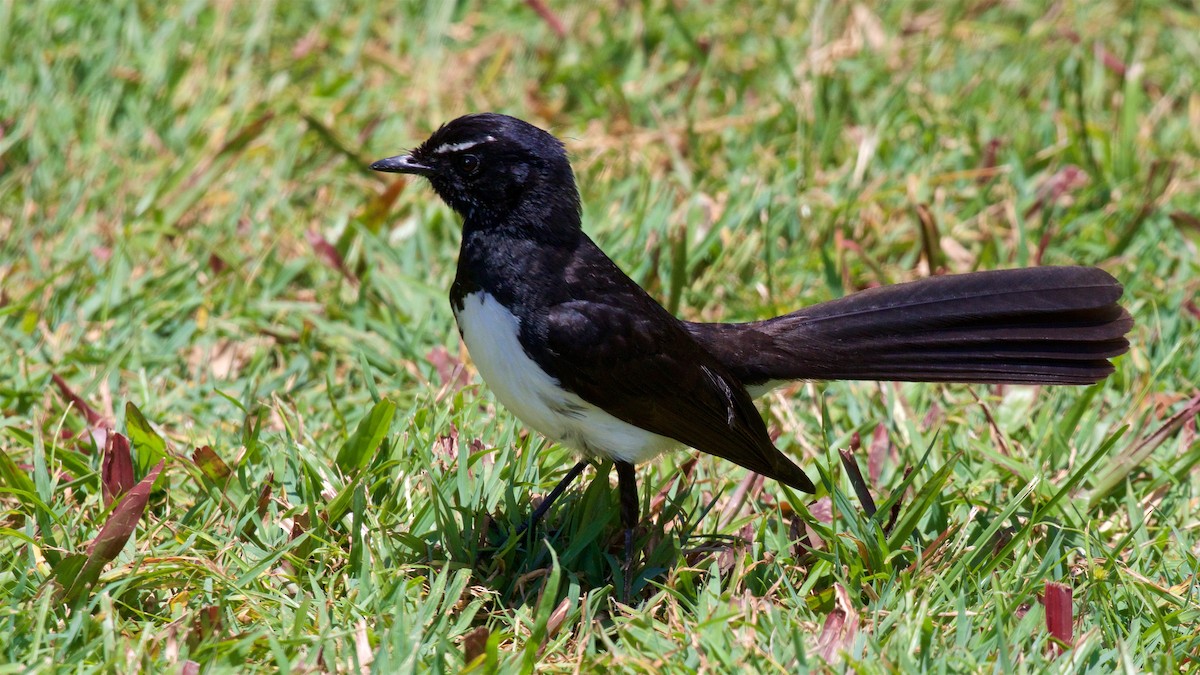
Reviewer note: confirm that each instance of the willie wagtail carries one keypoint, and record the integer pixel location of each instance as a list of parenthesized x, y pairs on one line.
[(580, 353)]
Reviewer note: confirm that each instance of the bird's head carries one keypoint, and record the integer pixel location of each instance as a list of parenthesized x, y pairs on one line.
[(495, 168)]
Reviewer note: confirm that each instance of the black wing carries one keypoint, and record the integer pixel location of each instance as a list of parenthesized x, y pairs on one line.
[(634, 360)]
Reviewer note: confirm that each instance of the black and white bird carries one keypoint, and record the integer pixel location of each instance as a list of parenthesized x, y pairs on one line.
[(583, 355)]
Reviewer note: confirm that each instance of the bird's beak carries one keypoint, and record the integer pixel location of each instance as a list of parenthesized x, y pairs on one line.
[(402, 164)]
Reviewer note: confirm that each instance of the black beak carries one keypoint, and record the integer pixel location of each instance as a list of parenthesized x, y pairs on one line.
[(403, 164)]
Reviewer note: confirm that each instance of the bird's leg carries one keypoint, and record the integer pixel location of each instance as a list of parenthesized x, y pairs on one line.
[(562, 486), (627, 487)]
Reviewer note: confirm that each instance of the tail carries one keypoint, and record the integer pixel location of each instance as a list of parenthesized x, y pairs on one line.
[(1042, 325)]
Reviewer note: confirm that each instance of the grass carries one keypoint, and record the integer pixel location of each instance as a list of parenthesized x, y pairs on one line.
[(189, 239)]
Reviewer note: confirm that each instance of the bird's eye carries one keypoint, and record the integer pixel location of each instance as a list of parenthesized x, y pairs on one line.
[(468, 164)]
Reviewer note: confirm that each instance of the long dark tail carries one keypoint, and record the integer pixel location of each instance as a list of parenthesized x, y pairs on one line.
[(1042, 325)]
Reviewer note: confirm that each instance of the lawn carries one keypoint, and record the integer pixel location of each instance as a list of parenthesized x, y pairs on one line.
[(197, 265)]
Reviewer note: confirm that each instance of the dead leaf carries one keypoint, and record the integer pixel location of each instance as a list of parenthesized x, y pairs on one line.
[(840, 629), (475, 644), (450, 369), (212, 466), (556, 619), (206, 625)]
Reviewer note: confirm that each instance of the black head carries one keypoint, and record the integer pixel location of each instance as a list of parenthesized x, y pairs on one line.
[(491, 168)]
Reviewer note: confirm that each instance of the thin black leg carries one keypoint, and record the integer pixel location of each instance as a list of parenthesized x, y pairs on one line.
[(554, 495), (627, 487)]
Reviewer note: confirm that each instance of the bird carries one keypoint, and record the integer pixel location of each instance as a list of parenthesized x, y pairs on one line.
[(582, 354)]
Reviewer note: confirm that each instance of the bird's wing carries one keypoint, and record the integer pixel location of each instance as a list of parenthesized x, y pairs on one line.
[(644, 369)]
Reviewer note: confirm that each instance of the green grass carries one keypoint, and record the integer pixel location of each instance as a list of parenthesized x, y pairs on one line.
[(162, 170)]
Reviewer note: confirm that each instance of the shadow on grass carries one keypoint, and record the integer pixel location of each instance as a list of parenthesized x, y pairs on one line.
[(583, 532)]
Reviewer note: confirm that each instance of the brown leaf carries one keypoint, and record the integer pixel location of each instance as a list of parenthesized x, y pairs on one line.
[(475, 644), (300, 524), (264, 496), (446, 447), (840, 629), (206, 625), (930, 238), (556, 619), (217, 264), (116, 469), (212, 466), (450, 369), (1058, 615), (379, 208), (802, 536), (1185, 219)]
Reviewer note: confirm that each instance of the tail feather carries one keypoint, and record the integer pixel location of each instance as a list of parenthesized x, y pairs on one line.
[(1043, 325)]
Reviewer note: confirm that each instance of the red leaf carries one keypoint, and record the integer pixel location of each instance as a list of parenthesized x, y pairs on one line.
[(822, 510), (548, 16), (94, 419), (990, 151), (122, 522), (1058, 614), (840, 629), (878, 452), (216, 264), (451, 370), (1068, 179), (116, 470), (329, 255)]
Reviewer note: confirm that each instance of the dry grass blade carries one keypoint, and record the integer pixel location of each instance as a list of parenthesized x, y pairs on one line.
[(1125, 463)]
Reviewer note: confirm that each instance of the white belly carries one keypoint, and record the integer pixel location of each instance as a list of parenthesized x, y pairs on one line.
[(490, 332)]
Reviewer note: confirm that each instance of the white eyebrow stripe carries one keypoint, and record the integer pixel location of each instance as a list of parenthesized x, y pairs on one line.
[(455, 147)]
